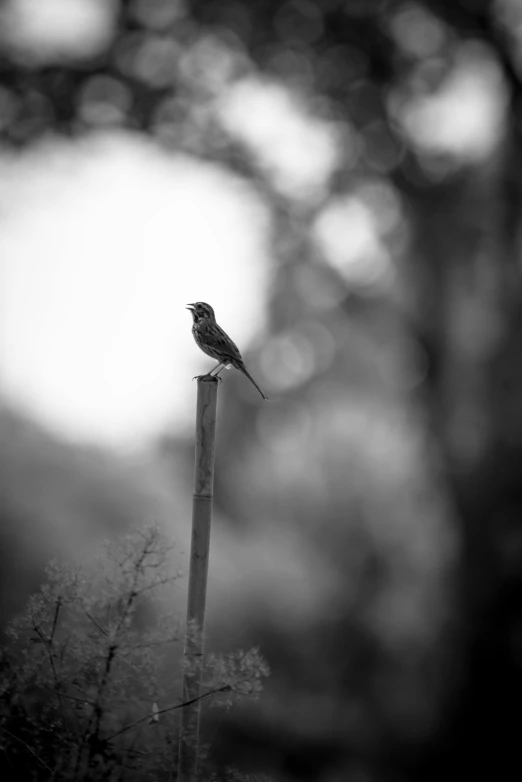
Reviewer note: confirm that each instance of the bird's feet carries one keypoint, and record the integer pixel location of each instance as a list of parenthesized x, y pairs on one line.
[(208, 376)]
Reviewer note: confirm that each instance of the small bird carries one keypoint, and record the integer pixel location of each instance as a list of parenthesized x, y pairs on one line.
[(216, 343)]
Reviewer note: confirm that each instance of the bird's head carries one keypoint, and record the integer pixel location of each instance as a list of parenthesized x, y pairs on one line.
[(201, 311)]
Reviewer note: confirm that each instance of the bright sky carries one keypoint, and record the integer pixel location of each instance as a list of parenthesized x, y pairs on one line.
[(44, 29), (298, 150), (465, 117), (102, 245)]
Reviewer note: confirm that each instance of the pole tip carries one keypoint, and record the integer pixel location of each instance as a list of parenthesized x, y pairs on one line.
[(207, 379)]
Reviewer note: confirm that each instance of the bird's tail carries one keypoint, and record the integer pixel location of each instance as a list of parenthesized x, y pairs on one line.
[(252, 379)]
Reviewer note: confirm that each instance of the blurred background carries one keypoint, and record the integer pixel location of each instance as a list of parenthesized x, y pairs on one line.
[(342, 181)]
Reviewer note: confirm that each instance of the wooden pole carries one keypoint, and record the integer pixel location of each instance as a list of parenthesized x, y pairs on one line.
[(197, 588)]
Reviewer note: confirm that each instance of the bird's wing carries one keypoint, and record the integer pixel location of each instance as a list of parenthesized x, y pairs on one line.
[(218, 339)]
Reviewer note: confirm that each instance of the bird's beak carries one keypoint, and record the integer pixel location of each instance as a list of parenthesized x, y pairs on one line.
[(190, 307)]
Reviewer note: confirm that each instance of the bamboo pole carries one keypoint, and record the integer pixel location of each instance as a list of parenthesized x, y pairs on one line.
[(197, 588)]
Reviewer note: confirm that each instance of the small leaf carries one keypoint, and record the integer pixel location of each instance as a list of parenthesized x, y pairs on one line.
[(155, 714)]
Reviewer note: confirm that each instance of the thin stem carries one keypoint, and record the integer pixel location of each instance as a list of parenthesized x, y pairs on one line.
[(225, 688), (150, 644), (95, 623), (55, 620), (38, 758), (73, 698), (113, 648), (49, 645)]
